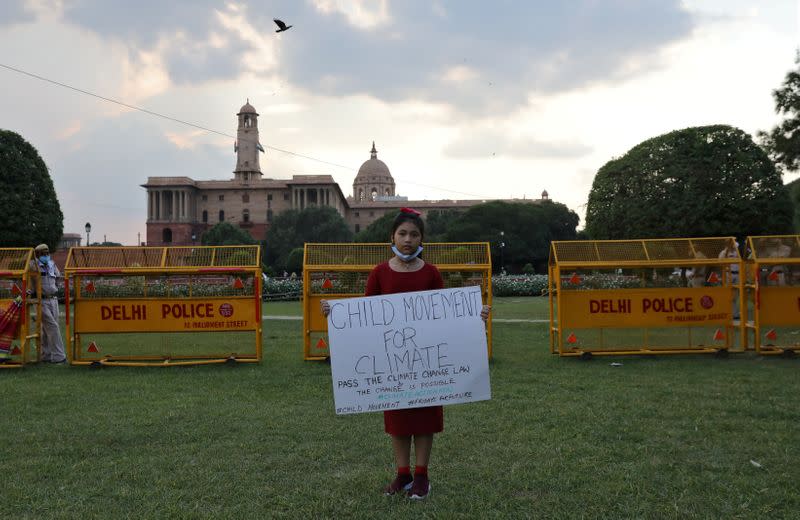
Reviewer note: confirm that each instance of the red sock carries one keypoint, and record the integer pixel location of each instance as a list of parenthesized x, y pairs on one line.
[(404, 470), (421, 470)]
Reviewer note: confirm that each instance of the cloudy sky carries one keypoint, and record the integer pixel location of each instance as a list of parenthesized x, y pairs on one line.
[(465, 99)]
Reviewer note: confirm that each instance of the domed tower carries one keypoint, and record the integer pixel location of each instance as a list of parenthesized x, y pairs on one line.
[(373, 179), (247, 145)]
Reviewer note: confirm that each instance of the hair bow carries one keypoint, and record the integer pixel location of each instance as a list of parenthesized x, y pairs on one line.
[(410, 211)]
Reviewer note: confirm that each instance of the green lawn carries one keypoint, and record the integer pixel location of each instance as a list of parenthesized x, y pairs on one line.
[(658, 437)]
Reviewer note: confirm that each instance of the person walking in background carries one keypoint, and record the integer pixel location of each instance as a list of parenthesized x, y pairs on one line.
[(407, 272), (51, 344)]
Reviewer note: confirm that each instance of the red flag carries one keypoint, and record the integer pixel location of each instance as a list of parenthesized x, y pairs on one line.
[(713, 277), (719, 335), (327, 284), (90, 287), (92, 347), (15, 290), (237, 283), (575, 279), (572, 338), (16, 351), (773, 276), (321, 344), (772, 335)]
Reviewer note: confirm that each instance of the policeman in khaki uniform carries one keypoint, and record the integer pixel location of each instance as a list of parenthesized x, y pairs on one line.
[(51, 343)]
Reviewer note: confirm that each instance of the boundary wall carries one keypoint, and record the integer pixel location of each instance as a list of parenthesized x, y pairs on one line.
[(17, 280), (162, 306), (655, 296), (773, 293)]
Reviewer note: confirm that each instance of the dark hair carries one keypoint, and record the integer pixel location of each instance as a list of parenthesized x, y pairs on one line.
[(403, 217)]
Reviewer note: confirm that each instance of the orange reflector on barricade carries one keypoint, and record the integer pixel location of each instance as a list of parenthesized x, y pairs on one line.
[(237, 283), (327, 284), (15, 290), (321, 344), (575, 279), (772, 335), (719, 335), (93, 347), (90, 287), (713, 278), (572, 338), (16, 351)]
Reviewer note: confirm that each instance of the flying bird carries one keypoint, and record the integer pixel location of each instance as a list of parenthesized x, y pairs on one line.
[(281, 26)]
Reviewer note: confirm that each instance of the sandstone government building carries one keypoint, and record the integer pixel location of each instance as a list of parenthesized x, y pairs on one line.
[(180, 209)]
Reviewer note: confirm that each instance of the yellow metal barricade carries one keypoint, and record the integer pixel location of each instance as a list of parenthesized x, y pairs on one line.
[(332, 271), (773, 293), (666, 296), (162, 306), (16, 280)]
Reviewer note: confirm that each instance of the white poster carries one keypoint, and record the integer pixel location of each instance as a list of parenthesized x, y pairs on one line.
[(408, 350)]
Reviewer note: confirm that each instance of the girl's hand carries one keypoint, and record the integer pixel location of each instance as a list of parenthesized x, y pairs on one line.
[(326, 307), (485, 312)]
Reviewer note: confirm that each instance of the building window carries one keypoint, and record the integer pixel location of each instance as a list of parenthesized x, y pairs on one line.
[(358, 228), (205, 197), (269, 215), (285, 196), (222, 215), (357, 215), (246, 215), (246, 197), (222, 197), (205, 216), (371, 213), (166, 236), (269, 196)]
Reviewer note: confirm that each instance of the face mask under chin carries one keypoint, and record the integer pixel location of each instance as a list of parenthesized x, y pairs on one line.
[(406, 258)]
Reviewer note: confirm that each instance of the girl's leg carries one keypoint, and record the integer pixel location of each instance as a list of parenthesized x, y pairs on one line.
[(401, 444), (422, 454), (422, 449)]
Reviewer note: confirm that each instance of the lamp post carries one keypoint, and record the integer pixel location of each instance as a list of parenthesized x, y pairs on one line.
[(88, 228), (502, 247)]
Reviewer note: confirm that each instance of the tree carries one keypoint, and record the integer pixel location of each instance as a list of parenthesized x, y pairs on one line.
[(436, 224), (695, 182), (378, 231), (293, 228), (527, 230), (782, 143), (31, 212), (226, 234), (794, 193)]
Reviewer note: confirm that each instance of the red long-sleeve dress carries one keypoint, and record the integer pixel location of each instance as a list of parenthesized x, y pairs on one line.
[(384, 280)]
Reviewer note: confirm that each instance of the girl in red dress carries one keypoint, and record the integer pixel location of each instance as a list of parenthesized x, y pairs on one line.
[(407, 272)]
